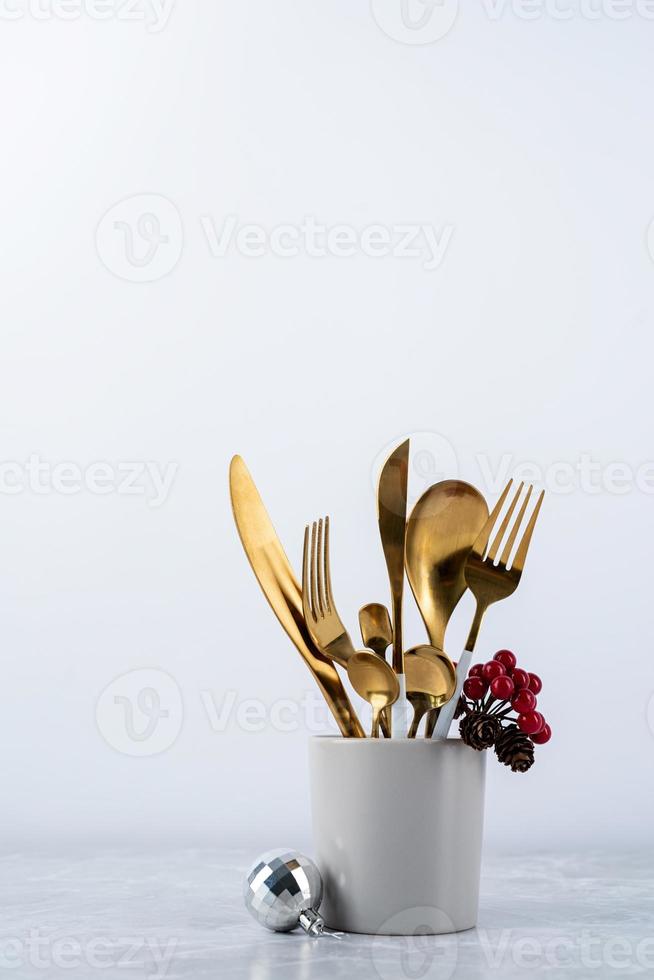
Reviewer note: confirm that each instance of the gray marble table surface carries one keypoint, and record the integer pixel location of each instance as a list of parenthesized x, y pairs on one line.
[(179, 914)]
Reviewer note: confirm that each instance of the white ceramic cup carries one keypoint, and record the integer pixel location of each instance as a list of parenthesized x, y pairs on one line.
[(397, 827)]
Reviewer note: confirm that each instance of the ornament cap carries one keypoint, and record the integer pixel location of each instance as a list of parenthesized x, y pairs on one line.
[(312, 922)]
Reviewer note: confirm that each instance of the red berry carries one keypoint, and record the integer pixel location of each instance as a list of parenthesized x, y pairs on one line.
[(474, 688), (492, 669), (535, 683), (544, 735), (475, 670), (520, 678), (524, 700), (502, 687), (531, 722), (506, 658)]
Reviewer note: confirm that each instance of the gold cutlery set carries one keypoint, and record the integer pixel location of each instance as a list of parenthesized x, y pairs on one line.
[(448, 544)]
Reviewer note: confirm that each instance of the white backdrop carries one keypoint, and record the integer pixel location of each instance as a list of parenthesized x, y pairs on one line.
[(148, 334)]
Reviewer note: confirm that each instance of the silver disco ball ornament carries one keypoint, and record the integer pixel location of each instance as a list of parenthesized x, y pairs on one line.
[(283, 889)]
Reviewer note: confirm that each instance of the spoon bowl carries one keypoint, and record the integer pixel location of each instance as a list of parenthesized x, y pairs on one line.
[(430, 681), (376, 628), (375, 681), (441, 531)]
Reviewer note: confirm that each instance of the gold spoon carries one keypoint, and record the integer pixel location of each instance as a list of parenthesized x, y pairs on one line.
[(375, 681), (430, 681), (441, 531), (377, 635), (376, 629)]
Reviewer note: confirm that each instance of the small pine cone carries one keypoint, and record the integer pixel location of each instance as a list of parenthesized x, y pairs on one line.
[(461, 708), (515, 749), (479, 730)]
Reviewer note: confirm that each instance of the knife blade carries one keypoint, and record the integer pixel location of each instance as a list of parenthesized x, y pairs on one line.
[(282, 590), (391, 513)]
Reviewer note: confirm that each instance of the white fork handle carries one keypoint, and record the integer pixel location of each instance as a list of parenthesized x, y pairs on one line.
[(400, 712), (446, 713)]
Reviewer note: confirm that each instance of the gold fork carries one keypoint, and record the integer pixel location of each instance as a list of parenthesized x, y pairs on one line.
[(369, 673), (490, 581), (317, 599)]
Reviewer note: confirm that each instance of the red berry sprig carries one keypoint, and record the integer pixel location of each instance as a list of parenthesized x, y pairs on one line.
[(499, 687)]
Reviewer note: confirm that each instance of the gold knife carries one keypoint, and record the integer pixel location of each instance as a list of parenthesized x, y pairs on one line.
[(391, 511), (282, 590)]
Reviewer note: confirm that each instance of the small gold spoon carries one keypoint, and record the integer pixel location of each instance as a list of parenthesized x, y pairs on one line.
[(377, 635), (430, 681), (375, 681), (376, 629)]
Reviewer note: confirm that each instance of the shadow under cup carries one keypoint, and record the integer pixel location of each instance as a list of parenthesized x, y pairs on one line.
[(397, 828)]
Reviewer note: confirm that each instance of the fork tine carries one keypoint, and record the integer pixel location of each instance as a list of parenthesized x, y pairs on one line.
[(504, 560), (319, 570), (479, 547), (314, 604), (327, 572), (521, 553), (497, 540), (306, 598)]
